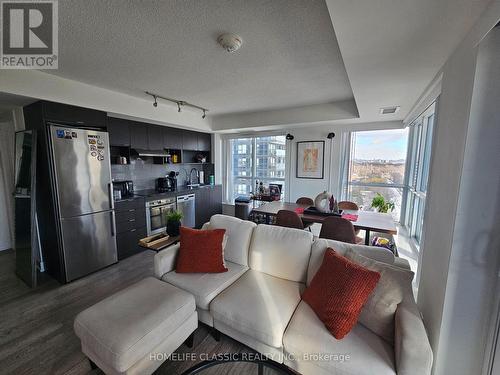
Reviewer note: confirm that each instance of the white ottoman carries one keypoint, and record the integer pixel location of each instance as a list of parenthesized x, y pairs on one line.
[(122, 333)]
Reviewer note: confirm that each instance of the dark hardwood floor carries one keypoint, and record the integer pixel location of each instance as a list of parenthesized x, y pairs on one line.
[(36, 325)]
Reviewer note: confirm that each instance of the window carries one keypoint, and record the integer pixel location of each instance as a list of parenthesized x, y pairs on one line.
[(377, 165), (419, 155), (256, 159)]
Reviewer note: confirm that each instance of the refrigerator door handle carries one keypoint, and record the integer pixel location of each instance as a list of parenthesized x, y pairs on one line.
[(111, 198), (113, 224)]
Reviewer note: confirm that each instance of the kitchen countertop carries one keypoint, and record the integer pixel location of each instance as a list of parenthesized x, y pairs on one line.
[(151, 194)]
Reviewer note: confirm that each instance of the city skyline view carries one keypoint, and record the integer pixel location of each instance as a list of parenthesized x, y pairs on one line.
[(381, 145)]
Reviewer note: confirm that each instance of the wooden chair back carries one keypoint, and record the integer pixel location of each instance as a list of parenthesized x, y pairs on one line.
[(336, 228), (347, 205), (305, 200), (289, 219)]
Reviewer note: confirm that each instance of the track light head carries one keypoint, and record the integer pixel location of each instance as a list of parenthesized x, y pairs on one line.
[(179, 107), (204, 114), (330, 135), (155, 103), (289, 137)]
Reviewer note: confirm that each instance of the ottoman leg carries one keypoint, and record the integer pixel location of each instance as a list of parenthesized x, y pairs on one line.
[(190, 340), (215, 334), (93, 366)]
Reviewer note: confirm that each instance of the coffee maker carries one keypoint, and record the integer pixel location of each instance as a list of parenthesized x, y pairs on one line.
[(168, 183)]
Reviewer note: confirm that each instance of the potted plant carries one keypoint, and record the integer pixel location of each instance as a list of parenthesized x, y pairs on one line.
[(173, 223), (381, 205)]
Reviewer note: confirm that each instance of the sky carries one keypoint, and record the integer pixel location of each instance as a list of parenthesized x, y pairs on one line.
[(381, 144)]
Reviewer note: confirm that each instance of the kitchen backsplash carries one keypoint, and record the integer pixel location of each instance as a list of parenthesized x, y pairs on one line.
[(144, 173)]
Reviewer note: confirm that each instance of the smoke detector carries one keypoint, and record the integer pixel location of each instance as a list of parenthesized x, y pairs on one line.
[(230, 42), (389, 110)]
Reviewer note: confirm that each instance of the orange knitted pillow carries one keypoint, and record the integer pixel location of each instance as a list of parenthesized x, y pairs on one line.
[(338, 291), (200, 251)]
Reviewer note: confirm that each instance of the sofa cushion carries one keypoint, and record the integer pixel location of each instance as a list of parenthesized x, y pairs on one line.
[(200, 251), (126, 326), (258, 305), (320, 245), (281, 252), (338, 291), (239, 234), (307, 336), (379, 310), (205, 286)]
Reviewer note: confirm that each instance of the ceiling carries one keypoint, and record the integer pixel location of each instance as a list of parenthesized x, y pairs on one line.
[(292, 70), (289, 57), (392, 49)]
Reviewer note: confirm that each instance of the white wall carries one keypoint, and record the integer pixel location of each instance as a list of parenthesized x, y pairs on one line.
[(476, 238), (460, 210), (300, 187)]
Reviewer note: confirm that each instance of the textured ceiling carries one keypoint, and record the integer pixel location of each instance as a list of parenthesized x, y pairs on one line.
[(289, 56)]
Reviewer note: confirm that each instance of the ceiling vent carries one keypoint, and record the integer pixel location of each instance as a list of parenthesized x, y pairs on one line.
[(389, 110)]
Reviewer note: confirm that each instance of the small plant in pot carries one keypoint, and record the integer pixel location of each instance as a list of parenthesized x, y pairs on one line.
[(381, 205), (173, 223)]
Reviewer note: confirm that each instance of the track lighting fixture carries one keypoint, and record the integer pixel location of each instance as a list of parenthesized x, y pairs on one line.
[(289, 137), (180, 103)]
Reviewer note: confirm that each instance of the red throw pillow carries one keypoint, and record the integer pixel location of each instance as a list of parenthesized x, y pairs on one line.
[(200, 251), (338, 291)]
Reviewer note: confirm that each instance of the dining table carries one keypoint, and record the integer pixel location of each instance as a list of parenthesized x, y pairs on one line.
[(366, 220)]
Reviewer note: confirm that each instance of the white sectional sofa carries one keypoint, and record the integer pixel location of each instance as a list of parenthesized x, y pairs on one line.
[(258, 302)]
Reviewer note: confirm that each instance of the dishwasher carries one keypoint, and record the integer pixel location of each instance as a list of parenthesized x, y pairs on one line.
[(185, 205)]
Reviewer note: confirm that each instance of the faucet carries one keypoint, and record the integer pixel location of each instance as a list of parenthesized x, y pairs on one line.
[(191, 182)]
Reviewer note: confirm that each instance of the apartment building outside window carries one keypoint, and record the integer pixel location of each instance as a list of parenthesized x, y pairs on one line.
[(255, 159)]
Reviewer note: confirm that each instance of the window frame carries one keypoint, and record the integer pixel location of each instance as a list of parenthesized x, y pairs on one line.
[(346, 177), (230, 178)]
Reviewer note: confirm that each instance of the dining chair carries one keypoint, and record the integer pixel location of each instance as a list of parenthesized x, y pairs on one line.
[(309, 202), (347, 205), (289, 219), (339, 229), (305, 200)]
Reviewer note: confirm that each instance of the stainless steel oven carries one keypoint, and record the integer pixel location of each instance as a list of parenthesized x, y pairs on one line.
[(156, 212)]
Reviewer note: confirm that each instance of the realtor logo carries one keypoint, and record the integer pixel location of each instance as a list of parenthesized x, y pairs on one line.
[(29, 34)]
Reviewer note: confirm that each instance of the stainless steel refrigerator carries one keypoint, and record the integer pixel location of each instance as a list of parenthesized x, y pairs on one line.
[(83, 192)]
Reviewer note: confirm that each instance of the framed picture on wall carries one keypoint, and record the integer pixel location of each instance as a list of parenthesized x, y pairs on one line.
[(310, 159)]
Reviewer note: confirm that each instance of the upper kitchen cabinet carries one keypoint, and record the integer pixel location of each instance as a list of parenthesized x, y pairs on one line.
[(119, 132), (172, 138), (139, 136), (155, 137), (204, 141), (194, 141), (190, 140), (38, 113)]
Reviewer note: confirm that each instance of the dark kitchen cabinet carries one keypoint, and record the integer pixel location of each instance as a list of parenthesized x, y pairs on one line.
[(130, 215), (119, 132), (172, 138), (155, 137), (202, 206), (139, 135), (208, 203), (37, 114), (215, 200), (204, 142), (189, 140)]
